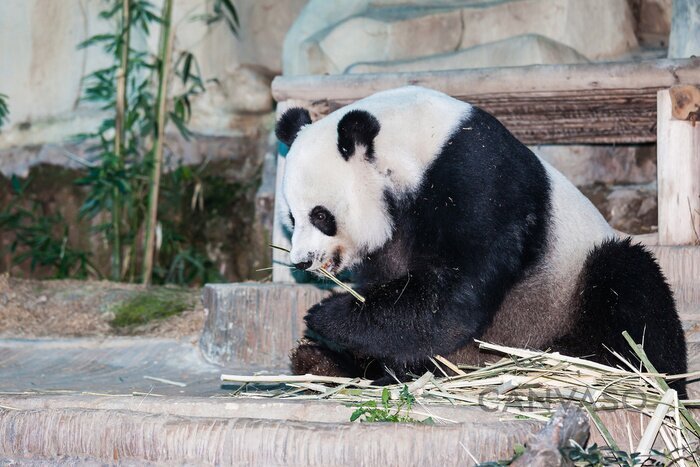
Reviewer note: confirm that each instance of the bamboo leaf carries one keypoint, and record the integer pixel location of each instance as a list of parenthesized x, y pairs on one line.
[(180, 124), (96, 39), (186, 68)]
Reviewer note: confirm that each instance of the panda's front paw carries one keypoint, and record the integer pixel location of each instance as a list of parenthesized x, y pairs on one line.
[(330, 320), (311, 358)]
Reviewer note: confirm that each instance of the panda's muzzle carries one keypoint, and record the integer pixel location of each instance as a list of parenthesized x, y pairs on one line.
[(303, 265)]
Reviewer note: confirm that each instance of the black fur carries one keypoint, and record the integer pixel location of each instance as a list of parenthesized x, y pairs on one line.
[(290, 123), (323, 220), (357, 127), (461, 242), (622, 288)]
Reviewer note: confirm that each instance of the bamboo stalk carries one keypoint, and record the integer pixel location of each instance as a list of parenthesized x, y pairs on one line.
[(641, 354), (330, 276), (165, 50), (119, 137), (538, 382), (293, 379)]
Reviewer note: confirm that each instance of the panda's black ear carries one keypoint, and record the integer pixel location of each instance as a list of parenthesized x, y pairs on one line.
[(357, 127), (290, 123)]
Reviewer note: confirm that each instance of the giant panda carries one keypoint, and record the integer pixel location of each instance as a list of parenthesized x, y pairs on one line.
[(455, 230)]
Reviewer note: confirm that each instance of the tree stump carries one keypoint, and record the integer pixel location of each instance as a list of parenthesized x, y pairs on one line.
[(255, 325)]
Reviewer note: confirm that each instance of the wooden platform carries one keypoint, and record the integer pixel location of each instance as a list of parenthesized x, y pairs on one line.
[(540, 104)]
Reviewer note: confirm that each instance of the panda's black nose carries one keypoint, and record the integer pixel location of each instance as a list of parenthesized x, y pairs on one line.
[(303, 266)]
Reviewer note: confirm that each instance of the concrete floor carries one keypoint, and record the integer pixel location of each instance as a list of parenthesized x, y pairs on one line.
[(109, 365)]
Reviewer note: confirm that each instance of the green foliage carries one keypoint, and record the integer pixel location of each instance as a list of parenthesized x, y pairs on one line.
[(118, 175), (223, 10), (398, 412), (4, 109), (119, 163), (40, 238), (152, 305)]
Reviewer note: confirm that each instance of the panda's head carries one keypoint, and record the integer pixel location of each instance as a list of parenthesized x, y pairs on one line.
[(333, 195)]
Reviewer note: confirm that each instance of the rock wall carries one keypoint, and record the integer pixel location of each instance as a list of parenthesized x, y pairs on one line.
[(685, 34), (41, 73), (328, 38)]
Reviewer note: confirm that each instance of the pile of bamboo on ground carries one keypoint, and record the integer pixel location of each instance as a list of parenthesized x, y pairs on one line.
[(527, 384)]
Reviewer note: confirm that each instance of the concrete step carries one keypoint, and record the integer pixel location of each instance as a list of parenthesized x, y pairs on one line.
[(122, 365), (87, 401), (239, 432)]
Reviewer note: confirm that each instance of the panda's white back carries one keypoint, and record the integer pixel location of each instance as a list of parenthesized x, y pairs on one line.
[(576, 224)]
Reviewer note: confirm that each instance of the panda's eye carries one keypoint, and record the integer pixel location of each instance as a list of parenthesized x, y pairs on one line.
[(323, 220)]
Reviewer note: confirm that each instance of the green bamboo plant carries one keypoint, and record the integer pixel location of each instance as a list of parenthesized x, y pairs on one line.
[(124, 172)]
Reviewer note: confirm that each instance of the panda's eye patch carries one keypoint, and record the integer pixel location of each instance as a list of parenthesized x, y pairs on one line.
[(323, 220)]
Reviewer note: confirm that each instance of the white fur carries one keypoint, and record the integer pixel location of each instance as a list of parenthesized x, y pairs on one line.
[(576, 225), (415, 123)]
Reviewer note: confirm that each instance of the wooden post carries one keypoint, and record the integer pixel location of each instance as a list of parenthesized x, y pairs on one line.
[(678, 165)]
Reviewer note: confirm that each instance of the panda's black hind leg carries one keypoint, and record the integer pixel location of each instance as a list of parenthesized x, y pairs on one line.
[(622, 288)]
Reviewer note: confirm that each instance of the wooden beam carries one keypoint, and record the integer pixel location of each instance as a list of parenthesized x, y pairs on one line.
[(611, 103), (678, 166)]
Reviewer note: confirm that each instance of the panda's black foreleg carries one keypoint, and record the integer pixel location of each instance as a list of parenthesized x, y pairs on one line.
[(402, 322)]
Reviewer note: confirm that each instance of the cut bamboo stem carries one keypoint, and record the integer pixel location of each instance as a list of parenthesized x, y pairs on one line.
[(283, 379), (687, 416), (647, 441), (330, 276)]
